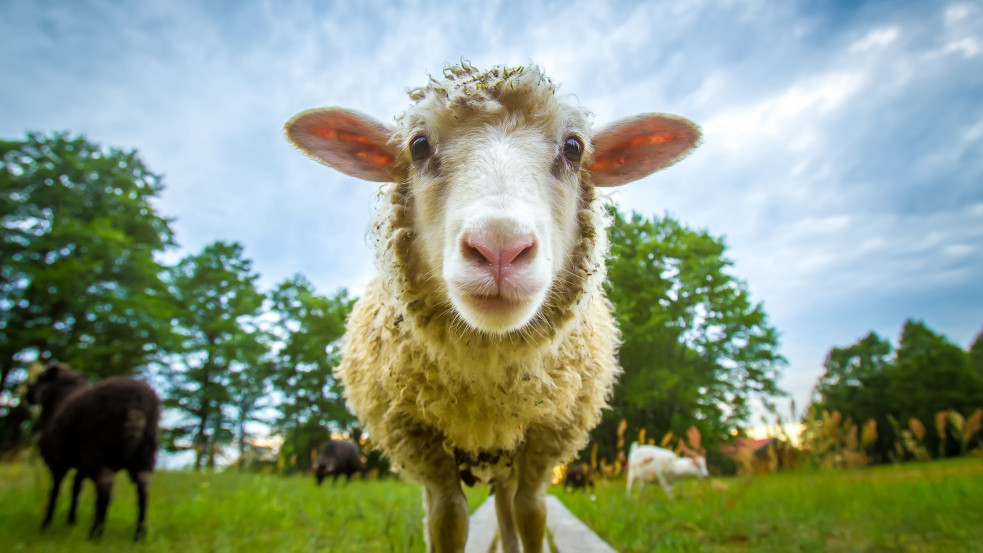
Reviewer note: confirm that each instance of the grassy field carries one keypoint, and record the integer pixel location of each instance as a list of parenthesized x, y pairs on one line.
[(909, 508), (223, 512), (917, 507)]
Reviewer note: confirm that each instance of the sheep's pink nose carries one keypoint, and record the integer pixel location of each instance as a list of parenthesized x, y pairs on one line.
[(499, 260)]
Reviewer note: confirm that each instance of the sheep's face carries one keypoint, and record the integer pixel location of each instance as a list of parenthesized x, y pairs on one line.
[(495, 164), (51, 386), (495, 211), (700, 467)]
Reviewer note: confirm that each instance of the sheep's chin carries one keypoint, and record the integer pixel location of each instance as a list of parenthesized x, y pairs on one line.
[(495, 314)]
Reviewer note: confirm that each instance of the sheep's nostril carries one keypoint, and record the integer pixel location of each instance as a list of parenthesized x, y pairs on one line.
[(522, 253), (477, 253)]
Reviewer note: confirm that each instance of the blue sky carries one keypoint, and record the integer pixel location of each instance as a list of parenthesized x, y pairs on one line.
[(843, 141)]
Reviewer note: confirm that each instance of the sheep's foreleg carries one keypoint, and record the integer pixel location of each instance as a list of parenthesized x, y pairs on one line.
[(530, 501), (104, 489), (505, 489), (76, 488), (447, 518), (666, 484), (56, 478), (445, 504), (142, 481)]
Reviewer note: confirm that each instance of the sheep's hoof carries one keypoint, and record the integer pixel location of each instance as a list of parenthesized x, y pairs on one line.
[(96, 532), (140, 534)]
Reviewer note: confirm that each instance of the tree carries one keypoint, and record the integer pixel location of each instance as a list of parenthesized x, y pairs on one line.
[(249, 386), (856, 384), (695, 349), (309, 327), (932, 374), (220, 347), (78, 278), (924, 375)]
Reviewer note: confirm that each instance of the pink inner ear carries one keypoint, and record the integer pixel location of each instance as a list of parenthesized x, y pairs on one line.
[(633, 148), (353, 143)]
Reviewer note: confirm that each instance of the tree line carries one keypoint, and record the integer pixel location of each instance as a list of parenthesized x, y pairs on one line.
[(912, 390), (82, 282)]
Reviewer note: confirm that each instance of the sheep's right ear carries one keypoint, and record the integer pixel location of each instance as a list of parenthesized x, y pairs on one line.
[(351, 142)]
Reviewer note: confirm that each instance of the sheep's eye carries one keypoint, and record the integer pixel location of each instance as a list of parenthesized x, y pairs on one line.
[(573, 149), (420, 148)]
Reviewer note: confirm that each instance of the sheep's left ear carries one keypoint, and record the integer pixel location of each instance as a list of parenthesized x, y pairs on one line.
[(632, 148), (351, 142)]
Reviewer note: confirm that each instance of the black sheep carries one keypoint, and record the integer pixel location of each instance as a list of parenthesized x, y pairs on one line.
[(96, 429), (338, 457), (578, 476)]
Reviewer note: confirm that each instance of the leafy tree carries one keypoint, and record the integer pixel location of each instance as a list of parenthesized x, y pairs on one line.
[(309, 327), (249, 386), (78, 278), (932, 374), (220, 347), (924, 375), (695, 349), (856, 384)]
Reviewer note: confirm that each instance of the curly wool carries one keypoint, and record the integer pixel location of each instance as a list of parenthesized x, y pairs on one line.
[(413, 371)]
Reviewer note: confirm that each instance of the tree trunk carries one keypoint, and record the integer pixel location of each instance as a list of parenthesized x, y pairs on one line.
[(201, 439), (242, 443), (5, 371)]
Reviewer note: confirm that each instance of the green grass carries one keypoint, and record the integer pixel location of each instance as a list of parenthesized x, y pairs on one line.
[(927, 507), (223, 512), (923, 507)]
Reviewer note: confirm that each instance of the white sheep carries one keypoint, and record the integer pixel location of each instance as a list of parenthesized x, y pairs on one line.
[(485, 348), (648, 462)]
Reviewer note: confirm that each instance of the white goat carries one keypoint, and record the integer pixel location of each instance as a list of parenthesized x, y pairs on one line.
[(649, 462), (485, 349)]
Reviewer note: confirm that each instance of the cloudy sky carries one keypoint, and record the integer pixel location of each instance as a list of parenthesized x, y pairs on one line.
[(843, 141)]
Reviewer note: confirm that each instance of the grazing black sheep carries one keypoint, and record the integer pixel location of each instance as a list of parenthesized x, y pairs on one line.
[(96, 429), (578, 476), (338, 457)]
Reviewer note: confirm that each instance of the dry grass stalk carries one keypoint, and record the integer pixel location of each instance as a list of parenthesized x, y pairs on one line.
[(941, 422), (693, 438), (911, 439), (868, 436), (970, 429), (917, 428)]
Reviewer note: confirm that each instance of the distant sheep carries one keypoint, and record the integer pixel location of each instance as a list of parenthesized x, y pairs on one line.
[(578, 476), (98, 430), (648, 462), (338, 457), (485, 348)]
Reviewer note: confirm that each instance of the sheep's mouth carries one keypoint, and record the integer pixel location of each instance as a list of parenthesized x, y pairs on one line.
[(496, 304), (494, 309)]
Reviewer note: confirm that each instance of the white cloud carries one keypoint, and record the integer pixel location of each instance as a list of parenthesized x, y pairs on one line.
[(788, 116), (956, 13), (877, 38)]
